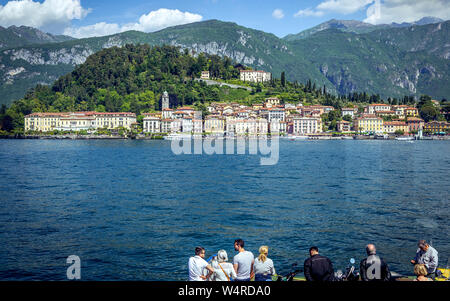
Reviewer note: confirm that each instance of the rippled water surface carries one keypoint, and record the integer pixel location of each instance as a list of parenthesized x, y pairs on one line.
[(132, 210)]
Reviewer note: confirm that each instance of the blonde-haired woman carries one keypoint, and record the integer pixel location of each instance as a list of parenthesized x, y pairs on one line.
[(421, 271), (263, 267)]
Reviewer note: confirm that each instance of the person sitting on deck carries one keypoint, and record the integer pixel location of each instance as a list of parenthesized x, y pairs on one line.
[(223, 270), (317, 267), (374, 268), (197, 265), (243, 262), (263, 267), (421, 272), (428, 256)]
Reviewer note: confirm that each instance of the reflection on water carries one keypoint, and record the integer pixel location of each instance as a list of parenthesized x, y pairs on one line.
[(134, 211)]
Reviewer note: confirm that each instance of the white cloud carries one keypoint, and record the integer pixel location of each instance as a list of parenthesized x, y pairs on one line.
[(336, 6), (309, 13), (153, 21), (278, 14), (50, 14), (343, 6), (96, 30), (400, 11)]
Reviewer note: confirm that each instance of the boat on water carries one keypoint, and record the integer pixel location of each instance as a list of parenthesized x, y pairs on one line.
[(298, 137), (404, 138), (178, 137)]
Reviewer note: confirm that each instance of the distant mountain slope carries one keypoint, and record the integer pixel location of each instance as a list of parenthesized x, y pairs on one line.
[(14, 36), (389, 61), (356, 27), (353, 62)]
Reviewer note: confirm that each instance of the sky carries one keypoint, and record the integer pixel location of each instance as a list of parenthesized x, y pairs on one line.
[(87, 18)]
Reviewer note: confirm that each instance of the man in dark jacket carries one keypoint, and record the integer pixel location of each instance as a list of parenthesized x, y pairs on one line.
[(317, 267), (374, 268)]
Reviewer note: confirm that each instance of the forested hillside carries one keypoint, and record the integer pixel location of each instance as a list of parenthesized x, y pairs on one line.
[(132, 79), (390, 61)]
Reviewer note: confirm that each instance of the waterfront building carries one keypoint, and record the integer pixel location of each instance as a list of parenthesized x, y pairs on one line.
[(197, 126), (214, 125), (307, 125), (390, 127), (415, 124), (187, 125), (344, 126), (151, 124), (436, 127), (166, 125), (175, 126), (252, 126), (255, 76), (369, 124), (262, 126), (77, 121), (230, 125), (277, 126), (43, 122)]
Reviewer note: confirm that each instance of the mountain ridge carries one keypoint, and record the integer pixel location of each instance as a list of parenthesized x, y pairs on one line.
[(357, 27), (391, 62)]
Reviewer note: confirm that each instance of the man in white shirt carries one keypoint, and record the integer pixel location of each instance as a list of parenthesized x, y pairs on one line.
[(243, 262), (197, 265)]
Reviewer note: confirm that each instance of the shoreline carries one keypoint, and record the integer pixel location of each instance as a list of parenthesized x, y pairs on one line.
[(106, 137)]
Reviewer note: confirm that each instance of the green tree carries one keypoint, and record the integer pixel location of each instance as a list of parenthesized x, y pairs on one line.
[(283, 79)]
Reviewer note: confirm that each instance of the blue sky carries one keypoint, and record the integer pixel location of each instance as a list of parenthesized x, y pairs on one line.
[(83, 18), (255, 14)]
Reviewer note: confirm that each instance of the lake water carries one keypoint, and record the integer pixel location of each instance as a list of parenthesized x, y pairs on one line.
[(132, 210)]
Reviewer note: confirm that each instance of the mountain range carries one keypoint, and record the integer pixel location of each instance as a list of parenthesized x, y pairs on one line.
[(346, 56)]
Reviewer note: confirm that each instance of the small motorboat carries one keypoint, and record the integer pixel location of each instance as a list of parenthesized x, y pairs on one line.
[(407, 138)]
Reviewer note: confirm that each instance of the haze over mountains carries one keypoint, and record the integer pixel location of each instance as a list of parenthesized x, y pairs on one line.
[(391, 60)]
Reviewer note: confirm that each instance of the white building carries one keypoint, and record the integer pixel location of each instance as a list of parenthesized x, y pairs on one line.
[(349, 111), (187, 125), (277, 126), (166, 125), (197, 126), (205, 75), (376, 107), (175, 126), (77, 121), (151, 124), (255, 76), (214, 125), (307, 125), (167, 114), (276, 113), (251, 127)]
